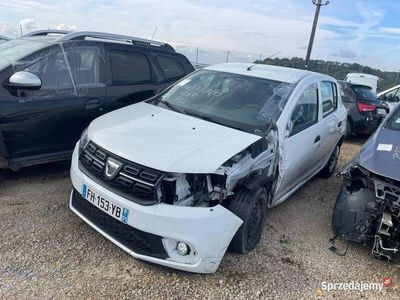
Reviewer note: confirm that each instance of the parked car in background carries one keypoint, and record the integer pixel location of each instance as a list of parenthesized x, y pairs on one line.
[(364, 79), (54, 83), (178, 178), (367, 209), (3, 39), (365, 110), (391, 96)]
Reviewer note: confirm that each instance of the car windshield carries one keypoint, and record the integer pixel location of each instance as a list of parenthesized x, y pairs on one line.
[(394, 122), (14, 50), (364, 92), (246, 103)]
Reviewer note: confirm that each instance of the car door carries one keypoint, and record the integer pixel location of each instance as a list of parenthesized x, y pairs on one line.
[(331, 122), (132, 76), (301, 144), (52, 118)]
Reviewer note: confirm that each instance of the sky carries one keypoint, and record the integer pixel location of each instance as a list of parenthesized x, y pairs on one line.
[(362, 31)]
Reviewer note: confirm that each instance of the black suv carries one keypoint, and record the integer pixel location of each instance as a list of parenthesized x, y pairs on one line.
[(365, 110), (54, 83)]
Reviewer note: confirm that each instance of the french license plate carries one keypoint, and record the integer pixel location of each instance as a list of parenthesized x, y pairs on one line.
[(104, 204), (382, 111)]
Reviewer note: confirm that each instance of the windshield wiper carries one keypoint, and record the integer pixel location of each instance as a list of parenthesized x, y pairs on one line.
[(170, 106)]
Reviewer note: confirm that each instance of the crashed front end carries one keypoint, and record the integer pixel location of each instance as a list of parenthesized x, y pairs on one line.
[(172, 219), (368, 211)]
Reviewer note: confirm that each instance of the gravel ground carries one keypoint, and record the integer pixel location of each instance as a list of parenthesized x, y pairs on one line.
[(48, 252)]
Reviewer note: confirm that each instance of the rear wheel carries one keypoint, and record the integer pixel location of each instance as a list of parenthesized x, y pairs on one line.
[(251, 207), (330, 167)]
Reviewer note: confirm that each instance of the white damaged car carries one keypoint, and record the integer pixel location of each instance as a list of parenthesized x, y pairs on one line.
[(179, 178)]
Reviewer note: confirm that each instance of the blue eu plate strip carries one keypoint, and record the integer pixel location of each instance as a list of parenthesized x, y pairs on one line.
[(124, 218), (84, 191)]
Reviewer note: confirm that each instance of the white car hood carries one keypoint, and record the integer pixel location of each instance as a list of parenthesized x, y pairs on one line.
[(166, 140)]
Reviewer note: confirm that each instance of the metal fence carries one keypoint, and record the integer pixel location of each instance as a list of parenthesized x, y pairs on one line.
[(209, 56)]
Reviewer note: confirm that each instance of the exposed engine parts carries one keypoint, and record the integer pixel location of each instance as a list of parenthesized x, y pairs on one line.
[(368, 211), (252, 167)]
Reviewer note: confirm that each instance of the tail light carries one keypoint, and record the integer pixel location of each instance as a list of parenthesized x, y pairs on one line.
[(364, 107)]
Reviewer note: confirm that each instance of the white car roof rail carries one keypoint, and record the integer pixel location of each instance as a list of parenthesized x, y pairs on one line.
[(45, 32), (81, 35)]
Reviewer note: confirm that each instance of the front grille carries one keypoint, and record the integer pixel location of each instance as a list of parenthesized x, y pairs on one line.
[(136, 240), (132, 181)]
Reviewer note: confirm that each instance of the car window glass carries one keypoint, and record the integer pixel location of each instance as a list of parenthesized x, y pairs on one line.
[(243, 102), (171, 67), (394, 122), (365, 92), (396, 97), (16, 50), (390, 96), (52, 69), (129, 68), (305, 113), (85, 65), (328, 97)]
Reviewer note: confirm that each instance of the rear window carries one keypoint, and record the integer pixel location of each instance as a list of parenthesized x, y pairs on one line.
[(171, 67), (129, 68), (364, 92)]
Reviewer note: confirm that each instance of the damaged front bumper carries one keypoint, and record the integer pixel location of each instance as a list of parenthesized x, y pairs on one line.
[(156, 229), (367, 211)]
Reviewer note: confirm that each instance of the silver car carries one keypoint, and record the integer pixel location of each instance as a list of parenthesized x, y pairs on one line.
[(178, 178)]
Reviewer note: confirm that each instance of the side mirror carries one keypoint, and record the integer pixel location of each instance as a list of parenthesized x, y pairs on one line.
[(24, 80)]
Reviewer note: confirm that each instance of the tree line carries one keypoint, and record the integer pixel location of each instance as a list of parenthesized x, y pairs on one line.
[(336, 69)]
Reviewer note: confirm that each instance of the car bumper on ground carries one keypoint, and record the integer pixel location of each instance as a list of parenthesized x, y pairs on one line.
[(151, 233)]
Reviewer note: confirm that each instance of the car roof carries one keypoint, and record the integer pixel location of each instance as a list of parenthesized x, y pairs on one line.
[(42, 38), (277, 73), (365, 75), (55, 35)]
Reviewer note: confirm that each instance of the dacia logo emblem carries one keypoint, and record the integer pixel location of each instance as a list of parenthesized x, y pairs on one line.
[(112, 168)]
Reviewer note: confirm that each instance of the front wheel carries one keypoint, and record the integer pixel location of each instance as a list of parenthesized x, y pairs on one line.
[(330, 167), (251, 207)]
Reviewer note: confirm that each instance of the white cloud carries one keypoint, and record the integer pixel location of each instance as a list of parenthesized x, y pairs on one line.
[(256, 27), (390, 30), (67, 27)]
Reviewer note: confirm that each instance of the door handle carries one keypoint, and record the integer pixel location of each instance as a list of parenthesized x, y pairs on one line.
[(92, 103), (317, 139), (340, 124)]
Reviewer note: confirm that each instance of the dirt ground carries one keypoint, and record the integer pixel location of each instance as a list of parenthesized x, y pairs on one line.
[(48, 252)]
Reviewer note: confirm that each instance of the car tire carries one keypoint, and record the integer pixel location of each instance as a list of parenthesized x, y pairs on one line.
[(251, 207), (330, 167)]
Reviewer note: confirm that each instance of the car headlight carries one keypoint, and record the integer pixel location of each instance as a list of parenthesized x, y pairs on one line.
[(83, 141)]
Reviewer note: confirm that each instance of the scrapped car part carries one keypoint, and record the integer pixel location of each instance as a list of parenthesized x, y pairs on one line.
[(367, 209), (179, 178), (53, 83)]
